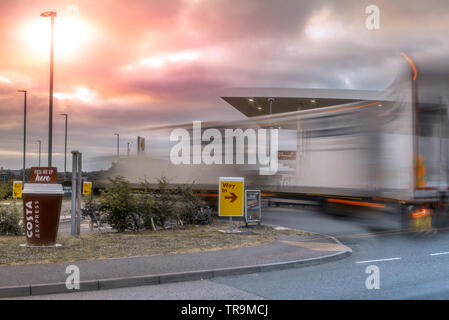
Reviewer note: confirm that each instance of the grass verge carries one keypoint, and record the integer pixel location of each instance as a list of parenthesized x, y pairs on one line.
[(114, 245)]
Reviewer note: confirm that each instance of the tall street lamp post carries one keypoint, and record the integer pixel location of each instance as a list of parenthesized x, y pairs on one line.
[(129, 150), (118, 146), (271, 100), (40, 143), (24, 128), (65, 145), (52, 15)]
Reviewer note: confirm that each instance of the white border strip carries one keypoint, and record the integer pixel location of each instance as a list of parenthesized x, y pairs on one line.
[(439, 253), (379, 260)]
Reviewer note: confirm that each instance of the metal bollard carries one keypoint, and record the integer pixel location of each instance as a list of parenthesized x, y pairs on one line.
[(76, 196)]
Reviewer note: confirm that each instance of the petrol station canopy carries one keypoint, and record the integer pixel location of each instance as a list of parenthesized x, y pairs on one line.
[(254, 102)]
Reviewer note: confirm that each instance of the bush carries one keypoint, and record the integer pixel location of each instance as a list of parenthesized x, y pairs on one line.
[(118, 203), (91, 210), (164, 202), (202, 216), (191, 209), (124, 209), (5, 189), (10, 220), (145, 206)]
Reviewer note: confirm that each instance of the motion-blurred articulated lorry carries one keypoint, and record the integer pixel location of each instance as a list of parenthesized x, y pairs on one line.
[(340, 149)]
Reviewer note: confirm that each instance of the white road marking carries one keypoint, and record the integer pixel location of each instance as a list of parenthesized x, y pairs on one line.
[(438, 253), (379, 260)]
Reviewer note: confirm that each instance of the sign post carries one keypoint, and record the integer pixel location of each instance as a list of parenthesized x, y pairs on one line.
[(76, 192), (230, 198)]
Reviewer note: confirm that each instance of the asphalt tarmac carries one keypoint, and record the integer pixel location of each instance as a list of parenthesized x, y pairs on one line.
[(409, 266)]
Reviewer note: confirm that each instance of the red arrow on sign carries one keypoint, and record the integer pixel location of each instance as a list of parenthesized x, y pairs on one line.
[(233, 197)]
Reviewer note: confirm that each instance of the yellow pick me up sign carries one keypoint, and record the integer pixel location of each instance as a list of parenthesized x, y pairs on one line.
[(231, 197), (87, 188), (17, 189)]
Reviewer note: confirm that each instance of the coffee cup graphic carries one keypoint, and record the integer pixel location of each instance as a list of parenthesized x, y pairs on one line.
[(41, 210)]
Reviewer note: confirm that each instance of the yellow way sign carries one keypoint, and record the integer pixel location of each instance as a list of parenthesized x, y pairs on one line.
[(230, 198)]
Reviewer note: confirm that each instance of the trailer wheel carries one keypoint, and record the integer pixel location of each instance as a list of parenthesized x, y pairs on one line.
[(405, 211), (420, 223), (441, 216)]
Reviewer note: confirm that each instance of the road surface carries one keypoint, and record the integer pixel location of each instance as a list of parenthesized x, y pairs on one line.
[(410, 267)]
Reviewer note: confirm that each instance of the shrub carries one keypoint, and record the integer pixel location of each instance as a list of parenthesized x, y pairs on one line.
[(191, 209), (145, 206), (10, 220), (118, 203), (164, 202), (124, 209), (5, 189), (91, 210)]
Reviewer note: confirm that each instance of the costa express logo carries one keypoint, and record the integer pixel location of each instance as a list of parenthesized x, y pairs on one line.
[(43, 175), (32, 212)]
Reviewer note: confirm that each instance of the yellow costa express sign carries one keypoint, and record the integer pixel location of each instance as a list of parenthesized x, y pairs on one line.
[(231, 197), (17, 189), (87, 188)]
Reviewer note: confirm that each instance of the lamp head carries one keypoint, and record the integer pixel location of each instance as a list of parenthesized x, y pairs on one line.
[(47, 14)]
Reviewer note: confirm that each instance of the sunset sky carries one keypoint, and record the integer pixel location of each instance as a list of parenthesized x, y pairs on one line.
[(121, 66)]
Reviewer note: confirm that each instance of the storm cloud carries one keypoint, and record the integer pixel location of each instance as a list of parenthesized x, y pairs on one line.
[(149, 63)]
